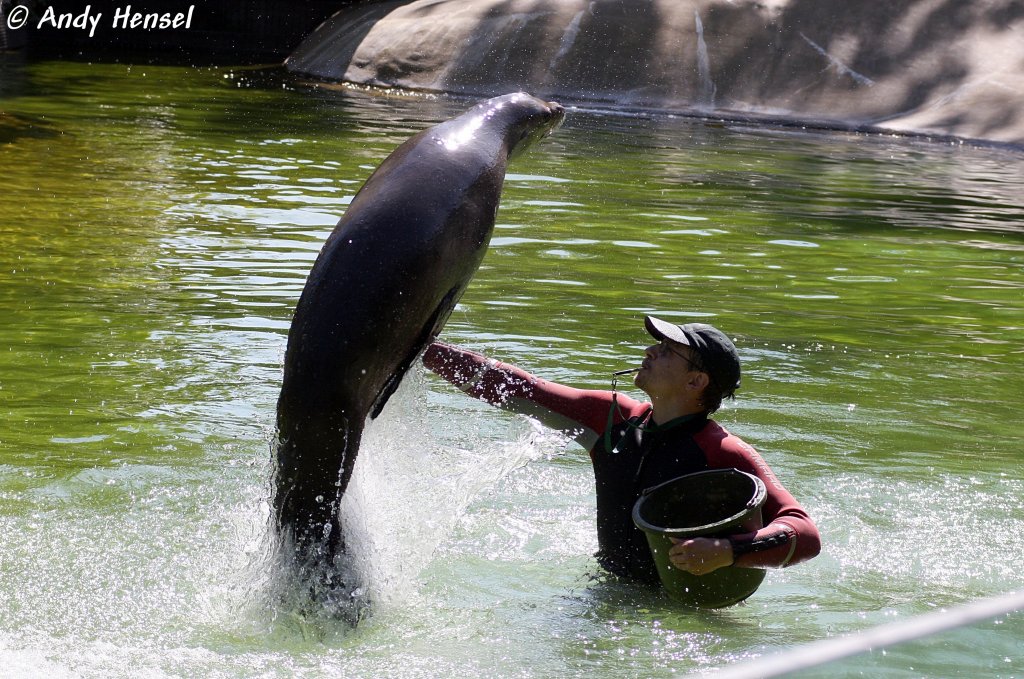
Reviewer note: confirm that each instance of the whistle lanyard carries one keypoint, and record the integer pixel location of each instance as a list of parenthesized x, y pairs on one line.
[(611, 419), (631, 428), (640, 427)]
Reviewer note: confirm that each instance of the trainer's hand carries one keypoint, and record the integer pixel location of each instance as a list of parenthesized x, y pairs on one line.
[(700, 556)]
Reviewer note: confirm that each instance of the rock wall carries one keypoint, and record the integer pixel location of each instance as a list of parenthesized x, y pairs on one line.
[(943, 67)]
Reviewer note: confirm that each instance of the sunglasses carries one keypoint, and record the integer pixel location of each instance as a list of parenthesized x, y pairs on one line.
[(664, 346)]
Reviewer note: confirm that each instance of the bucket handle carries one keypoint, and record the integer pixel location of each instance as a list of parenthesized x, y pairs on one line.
[(752, 502)]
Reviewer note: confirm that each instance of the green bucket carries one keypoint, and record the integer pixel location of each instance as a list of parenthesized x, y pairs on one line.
[(714, 503)]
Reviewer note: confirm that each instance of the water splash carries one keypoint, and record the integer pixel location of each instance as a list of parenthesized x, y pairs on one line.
[(842, 68), (568, 39), (409, 488), (706, 97)]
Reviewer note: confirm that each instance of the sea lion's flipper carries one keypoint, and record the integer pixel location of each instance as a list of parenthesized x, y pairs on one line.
[(430, 331)]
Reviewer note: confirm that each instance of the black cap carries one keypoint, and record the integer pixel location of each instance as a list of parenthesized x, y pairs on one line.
[(717, 352)]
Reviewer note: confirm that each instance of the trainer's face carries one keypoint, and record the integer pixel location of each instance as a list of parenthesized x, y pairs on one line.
[(665, 368)]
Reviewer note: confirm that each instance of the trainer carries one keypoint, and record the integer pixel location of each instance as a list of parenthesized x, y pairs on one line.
[(636, 445)]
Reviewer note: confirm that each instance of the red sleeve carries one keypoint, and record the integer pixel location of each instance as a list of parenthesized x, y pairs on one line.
[(787, 525), (580, 413)]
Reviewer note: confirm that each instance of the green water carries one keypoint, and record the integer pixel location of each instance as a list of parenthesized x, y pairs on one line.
[(156, 227)]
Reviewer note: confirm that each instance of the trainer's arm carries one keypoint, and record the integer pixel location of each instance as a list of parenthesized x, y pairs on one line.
[(789, 535), (579, 413)]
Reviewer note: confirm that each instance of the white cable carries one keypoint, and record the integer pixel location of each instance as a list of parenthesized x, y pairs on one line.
[(828, 650)]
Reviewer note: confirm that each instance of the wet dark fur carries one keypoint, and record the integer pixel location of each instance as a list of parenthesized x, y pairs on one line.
[(381, 289)]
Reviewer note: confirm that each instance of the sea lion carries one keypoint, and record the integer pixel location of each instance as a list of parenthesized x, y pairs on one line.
[(380, 291)]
